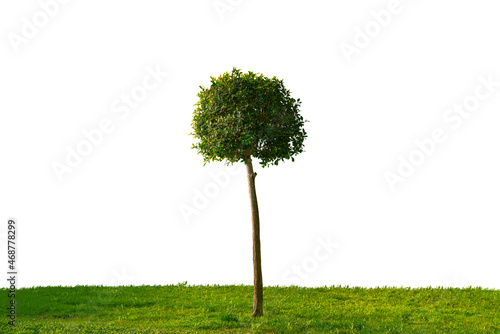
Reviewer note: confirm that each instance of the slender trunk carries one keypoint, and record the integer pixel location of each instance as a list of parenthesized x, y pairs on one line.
[(258, 295)]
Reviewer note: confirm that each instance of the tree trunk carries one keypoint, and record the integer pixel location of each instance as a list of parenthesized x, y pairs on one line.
[(258, 295)]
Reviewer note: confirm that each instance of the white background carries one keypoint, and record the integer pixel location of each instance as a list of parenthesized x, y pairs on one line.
[(116, 218)]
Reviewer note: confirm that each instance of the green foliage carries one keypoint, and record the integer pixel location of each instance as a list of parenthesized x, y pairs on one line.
[(242, 115), (183, 308)]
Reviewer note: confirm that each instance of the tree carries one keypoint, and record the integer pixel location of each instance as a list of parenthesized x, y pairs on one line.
[(241, 116)]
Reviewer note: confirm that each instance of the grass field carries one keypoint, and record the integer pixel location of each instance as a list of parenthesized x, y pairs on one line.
[(226, 309)]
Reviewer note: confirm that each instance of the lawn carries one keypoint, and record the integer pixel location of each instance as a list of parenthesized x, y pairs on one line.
[(226, 309)]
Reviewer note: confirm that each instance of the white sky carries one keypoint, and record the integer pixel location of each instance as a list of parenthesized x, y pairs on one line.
[(116, 217)]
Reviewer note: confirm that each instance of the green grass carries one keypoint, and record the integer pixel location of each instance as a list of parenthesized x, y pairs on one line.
[(226, 309)]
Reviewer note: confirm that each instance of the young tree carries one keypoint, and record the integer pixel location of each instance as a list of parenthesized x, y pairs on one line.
[(241, 116)]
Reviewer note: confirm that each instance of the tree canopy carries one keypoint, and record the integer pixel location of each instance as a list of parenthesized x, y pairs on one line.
[(247, 114)]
